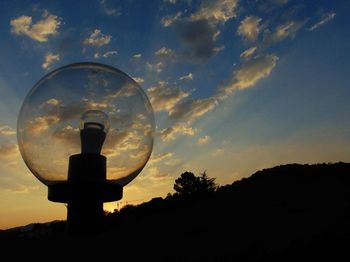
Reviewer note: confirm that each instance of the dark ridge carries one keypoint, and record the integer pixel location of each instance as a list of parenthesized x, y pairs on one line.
[(287, 213)]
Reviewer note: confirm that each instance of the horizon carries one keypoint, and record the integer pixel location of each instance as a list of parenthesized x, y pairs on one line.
[(235, 86)]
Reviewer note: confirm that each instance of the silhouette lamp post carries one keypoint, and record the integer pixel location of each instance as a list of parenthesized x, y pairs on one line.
[(85, 130)]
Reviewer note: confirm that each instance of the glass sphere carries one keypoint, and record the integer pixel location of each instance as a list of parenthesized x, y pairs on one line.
[(82, 95)]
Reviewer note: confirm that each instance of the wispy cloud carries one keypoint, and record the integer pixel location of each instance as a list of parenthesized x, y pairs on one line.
[(164, 98), (172, 132), (137, 56), (160, 157), (248, 53), (109, 53), (21, 189), (155, 175), (39, 31), (249, 74), (187, 77), (106, 54), (325, 19), (97, 39), (216, 11), (156, 67), (203, 140), (165, 53), (139, 80), (8, 150), (218, 152), (283, 31), (49, 59), (249, 28), (170, 19), (109, 10), (68, 134), (41, 123), (6, 130), (192, 109)]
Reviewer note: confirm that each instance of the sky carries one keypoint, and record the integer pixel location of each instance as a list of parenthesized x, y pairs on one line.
[(236, 85)]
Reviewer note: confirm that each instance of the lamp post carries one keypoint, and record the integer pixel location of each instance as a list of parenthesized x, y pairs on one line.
[(88, 166)]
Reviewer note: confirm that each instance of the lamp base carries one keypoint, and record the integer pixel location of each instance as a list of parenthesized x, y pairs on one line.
[(65, 192), (84, 218), (85, 191)]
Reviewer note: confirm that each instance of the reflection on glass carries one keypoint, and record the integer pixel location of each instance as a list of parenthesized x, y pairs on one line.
[(79, 96)]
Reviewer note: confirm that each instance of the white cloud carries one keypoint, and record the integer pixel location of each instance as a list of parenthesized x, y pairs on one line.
[(249, 28), (249, 74), (171, 133), (49, 59), (137, 56), (49, 104), (163, 97), (203, 140), (325, 19), (39, 31), (170, 19), (187, 77), (216, 11), (109, 53), (139, 80), (249, 52), (5, 130), (97, 39), (52, 102), (192, 109), (157, 67), (165, 52)]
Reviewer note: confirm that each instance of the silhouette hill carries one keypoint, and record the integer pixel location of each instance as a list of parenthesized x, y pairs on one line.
[(287, 213)]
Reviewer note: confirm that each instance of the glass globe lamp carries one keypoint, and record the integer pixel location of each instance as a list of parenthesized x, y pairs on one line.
[(85, 130)]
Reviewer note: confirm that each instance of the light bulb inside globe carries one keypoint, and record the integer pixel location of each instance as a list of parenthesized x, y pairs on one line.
[(94, 126), (94, 119)]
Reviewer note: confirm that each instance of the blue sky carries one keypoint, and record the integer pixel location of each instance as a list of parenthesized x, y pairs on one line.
[(236, 86)]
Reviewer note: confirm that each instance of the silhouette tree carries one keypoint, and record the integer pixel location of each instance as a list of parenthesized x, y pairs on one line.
[(207, 184), (188, 184)]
